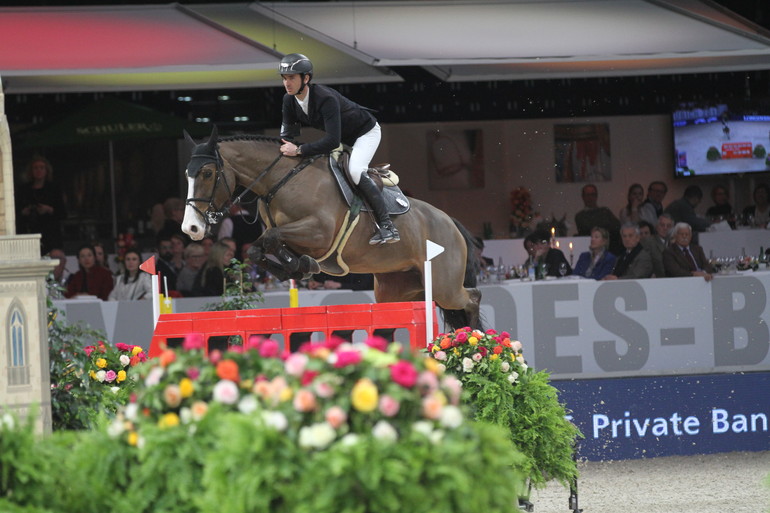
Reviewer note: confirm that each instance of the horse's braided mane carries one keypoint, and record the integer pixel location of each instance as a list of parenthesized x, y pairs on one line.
[(249, 137)]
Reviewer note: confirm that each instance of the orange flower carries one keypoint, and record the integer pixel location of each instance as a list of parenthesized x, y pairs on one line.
[(498, 349), (228, 369), (507, 342), (167, 357), (446, 342)]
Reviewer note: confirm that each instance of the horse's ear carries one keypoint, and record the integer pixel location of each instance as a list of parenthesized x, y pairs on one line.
[(189, 139), (212, 144)]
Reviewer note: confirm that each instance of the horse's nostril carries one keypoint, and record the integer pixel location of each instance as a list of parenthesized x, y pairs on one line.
[(194, 229)]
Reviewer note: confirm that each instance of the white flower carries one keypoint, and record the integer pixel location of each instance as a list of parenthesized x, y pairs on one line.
[(115, 389), (524, 366), (505, 366), (317, 436), (153, 378), (248, 404), (7, 421), (442, 368), (130, 411), (451, 417), (468, 364), (185, 415), (477, 357), (116, 428), (349, 439), (384, 431), (516, 345), (436, 436), (520, 358), (225, 392), (423, 427), (513, 376), (100, 375), (124, 360), (275, 420)]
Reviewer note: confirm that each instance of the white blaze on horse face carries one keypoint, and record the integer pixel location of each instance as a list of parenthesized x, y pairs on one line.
[(192, 224)]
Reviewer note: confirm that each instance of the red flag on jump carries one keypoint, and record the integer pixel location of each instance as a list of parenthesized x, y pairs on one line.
[(148, 265)]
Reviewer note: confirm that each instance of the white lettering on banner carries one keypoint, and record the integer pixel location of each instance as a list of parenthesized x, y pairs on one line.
[(676, 425), (721, 422)]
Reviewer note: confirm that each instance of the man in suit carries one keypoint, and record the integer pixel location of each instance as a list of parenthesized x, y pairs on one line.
[(683, 210), (657, 243), (682, 258), (635, 262)]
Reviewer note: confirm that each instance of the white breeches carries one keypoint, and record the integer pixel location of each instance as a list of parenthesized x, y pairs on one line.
[(363, 153)]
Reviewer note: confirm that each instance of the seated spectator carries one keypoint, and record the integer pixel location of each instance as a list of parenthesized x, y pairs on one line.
[(207, 242), (540, 252), (652, 207), (645, 229), (194, 258), (210, 280), (636, 262), (683, 210), (133, 283), (594, 215), (758, 214), (164, 265), (657, 244), (721, 210), (597, 262), (630, 213), (240, 225), (683, 258), (178, 243), (91, 279)]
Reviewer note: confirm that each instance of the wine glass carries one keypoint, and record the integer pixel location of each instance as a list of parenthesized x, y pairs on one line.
[(563, 269)]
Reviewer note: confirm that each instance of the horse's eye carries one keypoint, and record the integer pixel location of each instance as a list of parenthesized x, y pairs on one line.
[(207, 174)]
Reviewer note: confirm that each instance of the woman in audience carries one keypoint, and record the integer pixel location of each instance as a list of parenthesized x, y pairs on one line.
[(211, 278), (758, 214), (597, 262), (630, 213), (91, 279), (133, 283)]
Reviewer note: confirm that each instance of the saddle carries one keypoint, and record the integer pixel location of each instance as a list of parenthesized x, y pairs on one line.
[(395, 200)]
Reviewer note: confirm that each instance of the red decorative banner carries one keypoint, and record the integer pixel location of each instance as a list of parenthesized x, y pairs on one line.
[(737, 150)]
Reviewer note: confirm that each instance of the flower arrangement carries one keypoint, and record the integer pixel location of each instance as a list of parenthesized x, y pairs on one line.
[(521, 211), (505, 391), (109, 365)]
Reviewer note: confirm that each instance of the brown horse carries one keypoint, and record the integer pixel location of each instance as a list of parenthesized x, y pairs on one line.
[(305, 214)]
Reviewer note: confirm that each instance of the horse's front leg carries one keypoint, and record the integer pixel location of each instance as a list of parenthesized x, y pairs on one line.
[(293, 265)]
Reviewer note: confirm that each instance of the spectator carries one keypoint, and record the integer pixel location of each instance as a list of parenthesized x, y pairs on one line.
[(40, 205), (164, 265), (683, 258), (99, 254), (645, 229), (210, 280), (207, 242), (758, 214), (652, 207), (91, 279), (178, 242), (230, 242), (194, 258), (594, 215), (658, 243), (721, 210), (635, 262), (240, 225), (683, 210), (132, 283), (540, 252), (635, 197), (597, 262)]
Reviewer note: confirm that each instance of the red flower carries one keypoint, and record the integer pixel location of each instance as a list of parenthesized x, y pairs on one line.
[(123, 347), (228, 369), (307, 377), (89, 349), (403, 373), (490, 331), (269, 349), (193, 341), (482, 350), (461, 337), (378, 343), (345, 358), (498, 349)]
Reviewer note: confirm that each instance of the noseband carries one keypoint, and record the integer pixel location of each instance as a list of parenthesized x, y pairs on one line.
[(212, 215)]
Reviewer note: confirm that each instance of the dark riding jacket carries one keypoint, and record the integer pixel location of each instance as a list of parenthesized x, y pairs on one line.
[(342, 119)]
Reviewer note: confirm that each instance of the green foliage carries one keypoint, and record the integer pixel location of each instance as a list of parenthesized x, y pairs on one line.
[(759, 151), (713, 154), (240, 293)]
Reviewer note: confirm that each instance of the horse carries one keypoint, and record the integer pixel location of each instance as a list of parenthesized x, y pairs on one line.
[(311, 228)]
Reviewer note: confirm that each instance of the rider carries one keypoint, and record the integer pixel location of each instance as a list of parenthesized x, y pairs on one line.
[(344, 121)]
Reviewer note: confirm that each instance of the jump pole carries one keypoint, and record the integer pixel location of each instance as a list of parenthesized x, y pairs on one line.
[(432, 250)]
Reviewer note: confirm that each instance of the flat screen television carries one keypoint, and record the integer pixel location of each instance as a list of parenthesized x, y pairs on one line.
[(719, 139)]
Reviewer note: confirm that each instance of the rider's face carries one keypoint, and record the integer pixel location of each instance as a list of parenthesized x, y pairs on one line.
[(292, 83)]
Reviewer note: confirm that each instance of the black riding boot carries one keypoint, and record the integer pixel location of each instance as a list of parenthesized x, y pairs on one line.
[(373, 196)]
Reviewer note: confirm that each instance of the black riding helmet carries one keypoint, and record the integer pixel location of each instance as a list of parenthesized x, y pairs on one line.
[(295, 63)]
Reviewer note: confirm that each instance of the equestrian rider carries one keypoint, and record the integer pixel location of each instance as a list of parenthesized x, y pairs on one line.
[(342, 120)]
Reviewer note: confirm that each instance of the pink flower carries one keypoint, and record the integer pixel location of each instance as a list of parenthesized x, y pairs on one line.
[(323, 389), (403, 373), (307, 377), (432, 406), (440, 356), (482, 350), (120, 346), (193, 341), (110, 376), (477, 357), (389, 406), (345, 358), (269, 349), (333, 342), (89, 349), (295, 364), (427, 381), (304, 400), (225, 392), (215, 356), (378, 343), (490, 331), (255, 341), (193, 373), (461, 337), (454, 386), (505, 335), (336, 416)]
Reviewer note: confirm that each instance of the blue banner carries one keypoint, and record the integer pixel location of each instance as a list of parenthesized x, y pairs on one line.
[(644, 417)]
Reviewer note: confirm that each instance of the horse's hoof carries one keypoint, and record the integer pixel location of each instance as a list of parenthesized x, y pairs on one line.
[(309, 265)]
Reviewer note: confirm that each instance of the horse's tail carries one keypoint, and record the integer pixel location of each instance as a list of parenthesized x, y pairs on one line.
[(472, 266)]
